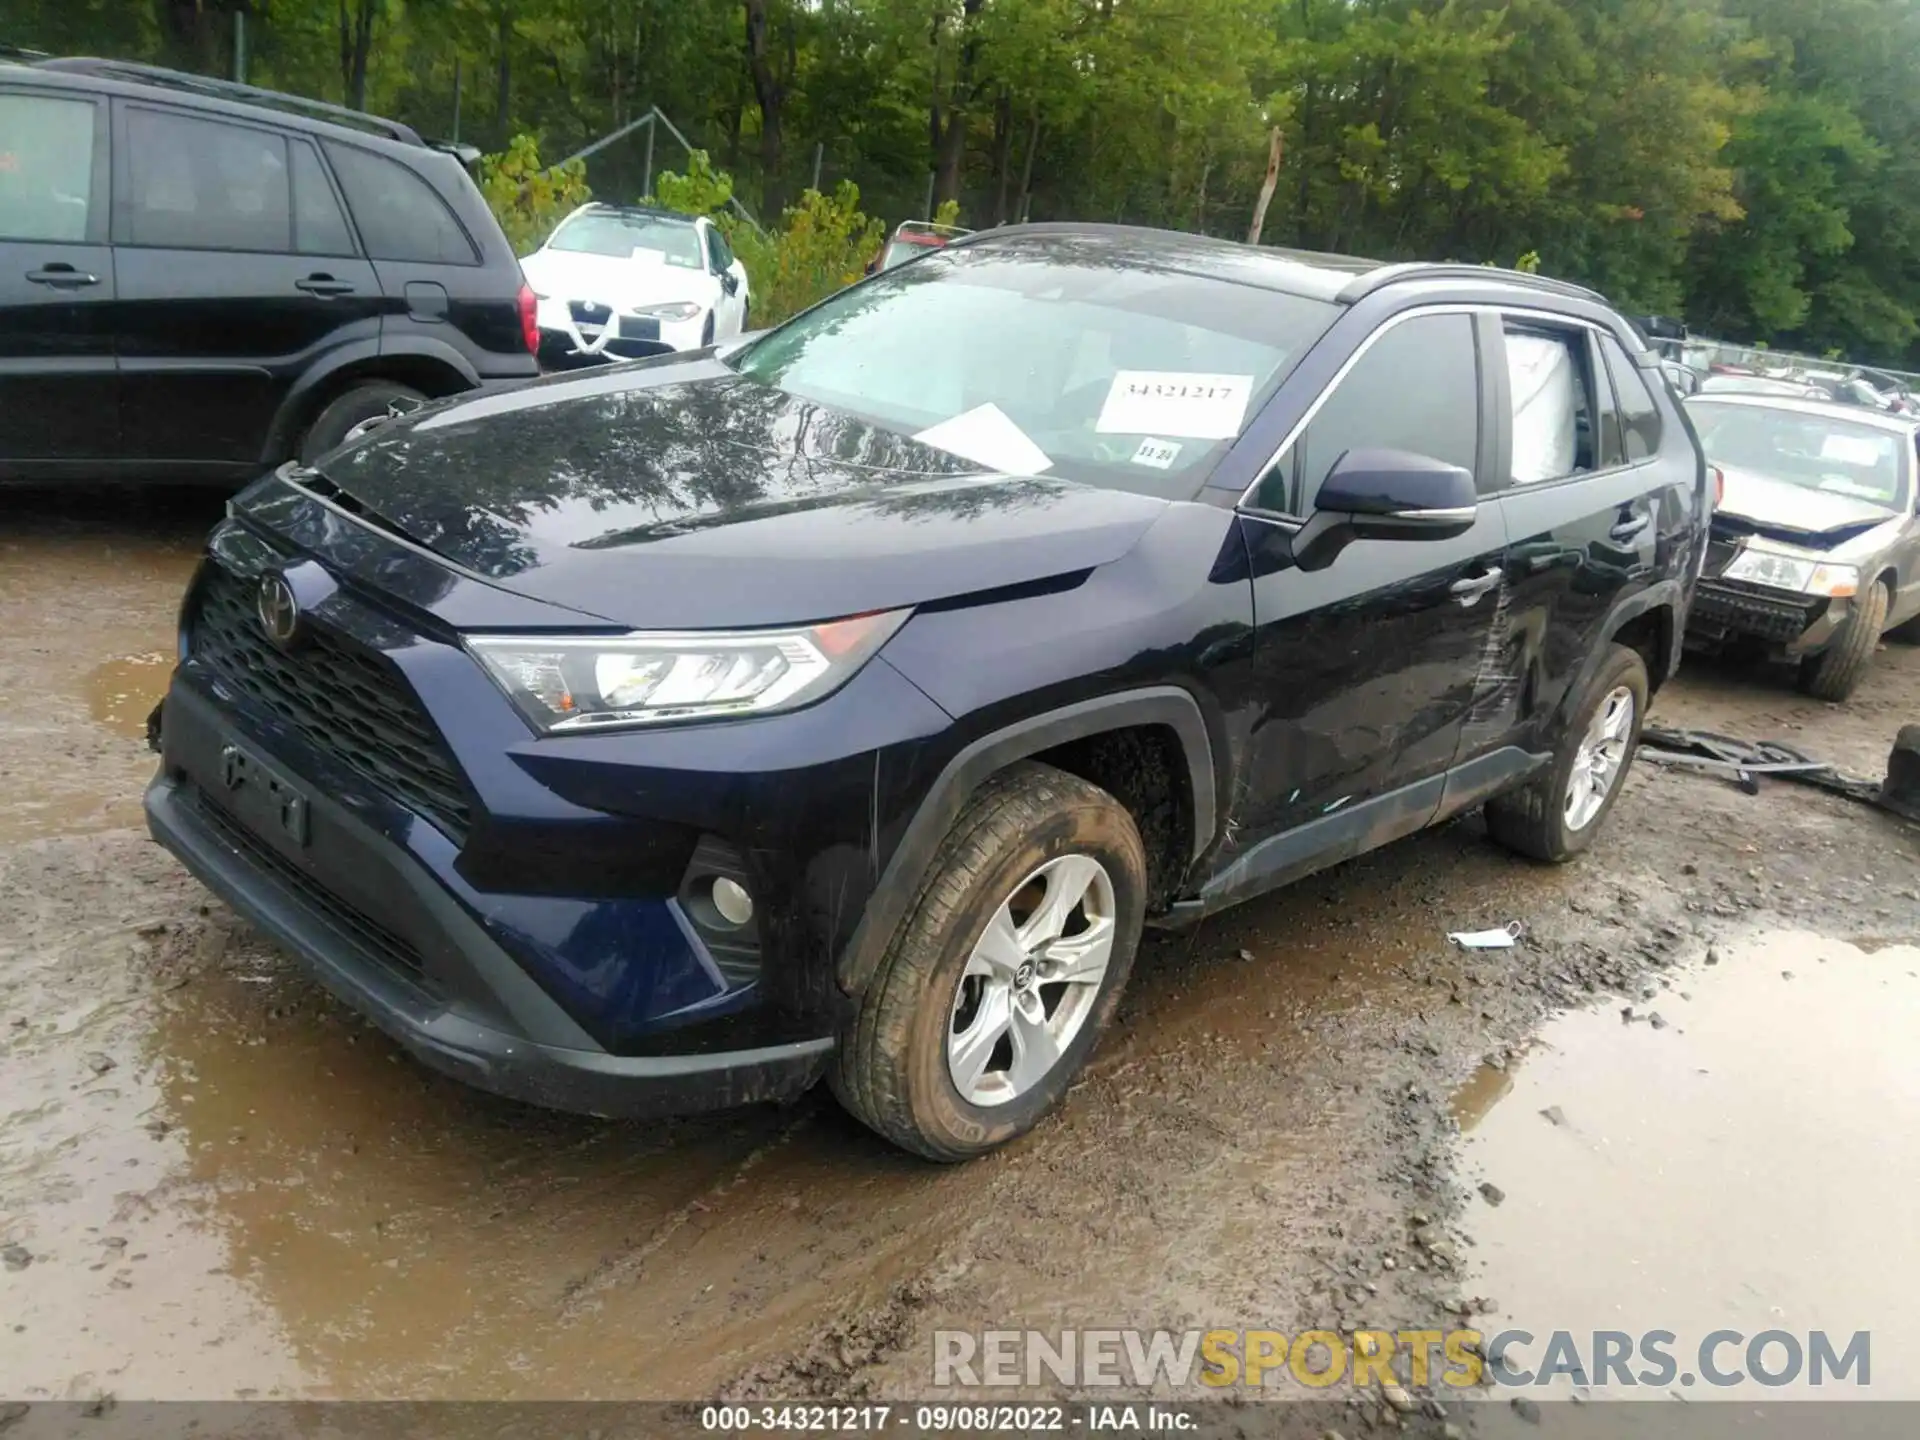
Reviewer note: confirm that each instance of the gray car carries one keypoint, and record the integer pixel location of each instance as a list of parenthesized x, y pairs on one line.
[(1815, 550)]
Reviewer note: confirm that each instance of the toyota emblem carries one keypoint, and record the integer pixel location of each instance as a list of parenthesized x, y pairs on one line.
[(279, 612)]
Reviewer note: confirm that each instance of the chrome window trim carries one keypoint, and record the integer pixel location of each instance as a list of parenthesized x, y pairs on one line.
[(1245, 502)]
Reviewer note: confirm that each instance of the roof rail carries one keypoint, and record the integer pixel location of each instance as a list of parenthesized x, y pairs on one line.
[(158, 75), (1372, 280)]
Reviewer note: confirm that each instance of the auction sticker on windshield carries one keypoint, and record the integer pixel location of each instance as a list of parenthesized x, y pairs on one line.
[(1160, 454), (1173, 402)]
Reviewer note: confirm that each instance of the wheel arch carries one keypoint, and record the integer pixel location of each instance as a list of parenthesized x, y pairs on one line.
[(1068, 736), (431, 368)]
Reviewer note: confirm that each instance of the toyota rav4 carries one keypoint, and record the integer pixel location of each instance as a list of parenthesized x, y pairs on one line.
[(843, 702)]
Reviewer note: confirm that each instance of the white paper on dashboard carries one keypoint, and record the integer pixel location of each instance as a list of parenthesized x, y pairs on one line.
[(1852, 449), (1175, 402), (987, 437)]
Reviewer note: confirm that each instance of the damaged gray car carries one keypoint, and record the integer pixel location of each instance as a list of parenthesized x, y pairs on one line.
[(1815, 552)]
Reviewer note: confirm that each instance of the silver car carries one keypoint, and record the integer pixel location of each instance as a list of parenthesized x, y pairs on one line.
[(1815, 551)]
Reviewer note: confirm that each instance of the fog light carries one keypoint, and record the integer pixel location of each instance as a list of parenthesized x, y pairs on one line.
[(733, 902)]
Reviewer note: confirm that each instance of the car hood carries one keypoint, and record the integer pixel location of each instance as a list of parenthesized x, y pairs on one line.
[(1781, 510), (678, 495), (612, 280)]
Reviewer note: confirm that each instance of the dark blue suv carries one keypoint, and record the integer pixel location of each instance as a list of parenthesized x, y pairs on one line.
[(845, 701)]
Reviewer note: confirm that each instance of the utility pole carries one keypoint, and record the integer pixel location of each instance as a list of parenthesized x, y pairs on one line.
[(646, 175), (240, 46), (456, 99), (819, 149)]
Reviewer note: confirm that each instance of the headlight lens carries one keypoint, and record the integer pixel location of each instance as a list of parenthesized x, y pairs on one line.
[(585, 682), (679, 310), (1792, 572)]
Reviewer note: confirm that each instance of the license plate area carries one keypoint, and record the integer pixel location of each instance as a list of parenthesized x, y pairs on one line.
[(263, 799)]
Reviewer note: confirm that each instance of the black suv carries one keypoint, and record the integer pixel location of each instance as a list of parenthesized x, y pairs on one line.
[(198, 279), (844, 701)]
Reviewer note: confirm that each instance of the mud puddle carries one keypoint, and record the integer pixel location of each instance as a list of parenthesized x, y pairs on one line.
[(1746, 1163), (226, 1185), (90, 582)]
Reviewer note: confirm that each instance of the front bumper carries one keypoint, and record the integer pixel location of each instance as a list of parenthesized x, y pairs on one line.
[(574, 335), (426, 972), (1725, 611)]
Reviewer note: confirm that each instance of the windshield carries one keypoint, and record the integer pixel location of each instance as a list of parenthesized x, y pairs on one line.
[(1084, 360), (1815, 452), (640, 237)]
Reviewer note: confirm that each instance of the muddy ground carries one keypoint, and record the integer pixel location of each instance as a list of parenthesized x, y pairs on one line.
[(215, 1182)]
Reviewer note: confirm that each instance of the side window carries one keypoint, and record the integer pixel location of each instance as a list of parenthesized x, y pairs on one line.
[(1550, 380), (46, 167), (205, 185), (1639, 416), (1415, 388), (400, 216), (318, 226)]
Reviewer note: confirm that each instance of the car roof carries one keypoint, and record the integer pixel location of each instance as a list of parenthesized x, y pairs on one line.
[(1822, 409), (224, 97), (1311, 273)]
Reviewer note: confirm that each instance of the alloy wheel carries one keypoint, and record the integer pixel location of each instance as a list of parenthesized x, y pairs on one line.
[(1600, 759), (1031, 981)]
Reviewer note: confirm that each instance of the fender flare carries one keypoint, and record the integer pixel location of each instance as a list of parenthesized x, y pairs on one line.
[(1164, 705), (359, 352)]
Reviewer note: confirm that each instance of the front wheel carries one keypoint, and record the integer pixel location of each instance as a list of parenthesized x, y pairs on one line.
[(1557, 816), (1836, 672), (1004, 972)]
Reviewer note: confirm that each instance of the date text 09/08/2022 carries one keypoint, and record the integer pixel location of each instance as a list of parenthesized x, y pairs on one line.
[(949, 1419)]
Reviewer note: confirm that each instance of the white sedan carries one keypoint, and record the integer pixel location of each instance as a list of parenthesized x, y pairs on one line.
[(623, 281)]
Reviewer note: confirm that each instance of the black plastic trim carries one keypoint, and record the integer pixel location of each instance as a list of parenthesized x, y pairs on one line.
[(1166, 705)]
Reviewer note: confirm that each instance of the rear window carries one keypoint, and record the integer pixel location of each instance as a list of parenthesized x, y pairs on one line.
[(1067, 360), (400, 216), (205, 185)]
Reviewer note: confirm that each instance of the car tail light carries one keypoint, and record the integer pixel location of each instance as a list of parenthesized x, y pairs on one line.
[(529, 319), (1719, 484)]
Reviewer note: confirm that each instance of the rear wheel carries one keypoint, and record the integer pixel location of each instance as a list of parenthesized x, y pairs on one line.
[(353, 407), (1005, 971), (1557, 816), (1836, 672)]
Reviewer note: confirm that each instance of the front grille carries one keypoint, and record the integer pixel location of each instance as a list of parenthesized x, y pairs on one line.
[(347, 703), (1734, 606), (381, 943)]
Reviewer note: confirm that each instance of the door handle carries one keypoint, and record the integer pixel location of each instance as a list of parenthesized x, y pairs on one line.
[(325, 286), (62, 276), (1469, 591), (1631, 528)]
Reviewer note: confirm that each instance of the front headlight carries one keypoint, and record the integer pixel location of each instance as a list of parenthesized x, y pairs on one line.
[(678, 310), (1792, 572), (586, 682)]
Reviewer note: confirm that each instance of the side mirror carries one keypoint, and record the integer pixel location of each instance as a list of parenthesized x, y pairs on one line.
[(1396, 495), (729, 282), (1385, 495)]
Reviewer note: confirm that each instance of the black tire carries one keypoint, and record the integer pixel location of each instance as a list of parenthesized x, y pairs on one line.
[(891, 1070), (366, 401), (1836, 672), (706, 332), (1533, 820)]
